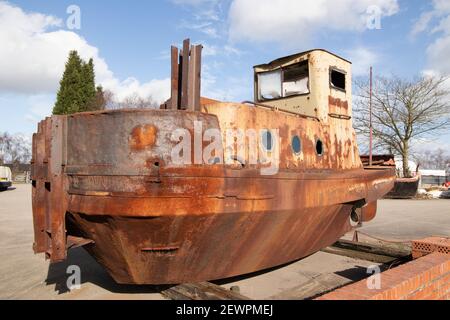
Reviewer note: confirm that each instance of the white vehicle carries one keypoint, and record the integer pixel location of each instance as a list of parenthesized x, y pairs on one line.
[(5, 178)]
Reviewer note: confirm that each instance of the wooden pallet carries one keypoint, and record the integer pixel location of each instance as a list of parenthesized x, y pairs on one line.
[(380, 253), (201, 291)]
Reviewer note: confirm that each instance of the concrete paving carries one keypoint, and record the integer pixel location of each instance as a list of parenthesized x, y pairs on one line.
[(410, 219), (24, 275)]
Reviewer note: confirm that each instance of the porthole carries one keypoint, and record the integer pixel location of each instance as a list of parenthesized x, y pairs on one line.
[(319, 147), (296, 145), (267, 140)]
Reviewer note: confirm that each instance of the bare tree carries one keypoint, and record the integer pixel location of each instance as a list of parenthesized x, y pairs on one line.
[(5, 146), (402, 111), (438, 159), (133, 101), (14, 149), (136, 101), (108, 97)]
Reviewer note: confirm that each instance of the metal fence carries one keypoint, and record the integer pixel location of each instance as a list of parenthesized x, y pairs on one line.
[(435, 180)]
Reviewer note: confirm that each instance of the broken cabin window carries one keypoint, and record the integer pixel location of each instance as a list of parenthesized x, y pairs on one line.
[(296, 79), (269, 84), (337, 79), (289, 81)]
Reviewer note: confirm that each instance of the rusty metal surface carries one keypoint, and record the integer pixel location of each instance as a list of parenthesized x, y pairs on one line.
[(48, 188), (185, 78), (154, 222), (379, 160), (194, 78), (107, 180), (174, 78), (184, 67)]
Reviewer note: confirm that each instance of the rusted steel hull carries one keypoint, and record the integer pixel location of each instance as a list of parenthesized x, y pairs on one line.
[(145, 240), (182, 249), (107, 180)]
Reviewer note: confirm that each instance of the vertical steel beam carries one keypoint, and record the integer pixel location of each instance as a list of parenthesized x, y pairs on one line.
[(194, 78), (57, 201), (184, 74), (47, 188), (39, 204), (174, 79)]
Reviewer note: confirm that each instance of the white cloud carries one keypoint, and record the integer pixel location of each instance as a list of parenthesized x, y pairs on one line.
[(362, 59), (209, 50), (231, 50), (213, 87), (442, 5), (39, 106), (292, 20), (206, 28), (34, 50), (206, 16), (422, 24), (438, 54), (436, 21)]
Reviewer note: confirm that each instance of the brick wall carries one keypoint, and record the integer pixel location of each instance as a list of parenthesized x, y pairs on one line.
[(426, 246), (426, 278)]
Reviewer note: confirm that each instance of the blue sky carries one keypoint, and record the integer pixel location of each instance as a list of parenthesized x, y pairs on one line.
[(130, 42)]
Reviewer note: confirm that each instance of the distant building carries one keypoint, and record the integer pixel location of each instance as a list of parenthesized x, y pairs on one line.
[(433, 177)]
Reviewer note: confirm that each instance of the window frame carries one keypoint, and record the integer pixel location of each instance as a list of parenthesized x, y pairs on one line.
[(336, 69), (260, 98), (282, 81), (318, 140), (300, 145)]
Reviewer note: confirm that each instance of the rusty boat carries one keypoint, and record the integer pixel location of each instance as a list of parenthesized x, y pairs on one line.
[(107, 180), (404, 188)]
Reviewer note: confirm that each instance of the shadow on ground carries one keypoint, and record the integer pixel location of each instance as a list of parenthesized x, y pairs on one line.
[(354, 274), (91, 272), (8, 189)]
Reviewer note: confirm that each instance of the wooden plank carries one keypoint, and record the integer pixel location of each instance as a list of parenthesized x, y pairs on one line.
[(359, 255), (174, 79), (397, 250), (201, 291)]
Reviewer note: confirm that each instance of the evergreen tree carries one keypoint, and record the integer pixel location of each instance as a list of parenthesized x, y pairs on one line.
[(88, 86), (77, 92), (69, 96)]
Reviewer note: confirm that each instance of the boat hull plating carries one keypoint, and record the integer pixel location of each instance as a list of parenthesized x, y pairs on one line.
[(108, 177)]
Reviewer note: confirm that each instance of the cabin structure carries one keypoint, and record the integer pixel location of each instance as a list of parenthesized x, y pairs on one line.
[(314, 83)]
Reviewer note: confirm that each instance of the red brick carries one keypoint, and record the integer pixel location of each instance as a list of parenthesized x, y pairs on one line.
[(425, 278), (428, 245)]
